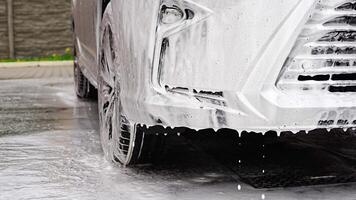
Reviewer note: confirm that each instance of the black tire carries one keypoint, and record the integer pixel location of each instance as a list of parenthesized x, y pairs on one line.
[(123, 141), (83, 88)]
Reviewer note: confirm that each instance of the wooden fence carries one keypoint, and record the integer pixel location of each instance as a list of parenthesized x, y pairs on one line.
[(34, 27)]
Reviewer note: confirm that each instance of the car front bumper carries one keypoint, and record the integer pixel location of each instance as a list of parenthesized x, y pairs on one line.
[(221, 68)]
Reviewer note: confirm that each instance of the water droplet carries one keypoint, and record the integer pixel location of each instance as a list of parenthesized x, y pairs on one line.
[(263, 196), (239, 187)]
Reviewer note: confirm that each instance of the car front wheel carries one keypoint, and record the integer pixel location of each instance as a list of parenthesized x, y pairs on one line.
[(123, 141)]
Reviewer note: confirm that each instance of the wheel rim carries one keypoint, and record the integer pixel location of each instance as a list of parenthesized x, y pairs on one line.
[(115, 130)]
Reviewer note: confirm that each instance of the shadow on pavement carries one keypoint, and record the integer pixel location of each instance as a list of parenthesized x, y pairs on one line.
[(317, 158)]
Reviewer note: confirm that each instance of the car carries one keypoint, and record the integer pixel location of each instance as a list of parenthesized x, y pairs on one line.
[(160, 66)]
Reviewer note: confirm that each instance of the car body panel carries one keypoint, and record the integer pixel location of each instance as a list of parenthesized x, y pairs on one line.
[(86, 19), (218, 69)]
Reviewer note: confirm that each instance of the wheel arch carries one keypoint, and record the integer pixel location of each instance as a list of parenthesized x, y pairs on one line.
[(104, 4)]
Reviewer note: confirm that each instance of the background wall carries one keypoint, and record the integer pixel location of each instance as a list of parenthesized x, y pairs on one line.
[(41, 27), (3, 30)]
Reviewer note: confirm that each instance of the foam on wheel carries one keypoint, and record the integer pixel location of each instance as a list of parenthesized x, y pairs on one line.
[(123, 141)]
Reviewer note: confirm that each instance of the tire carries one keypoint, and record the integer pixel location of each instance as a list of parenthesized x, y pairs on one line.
[(83, 88), (123, 142)]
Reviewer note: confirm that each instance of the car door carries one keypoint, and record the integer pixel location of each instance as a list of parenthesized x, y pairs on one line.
[(86, 16)]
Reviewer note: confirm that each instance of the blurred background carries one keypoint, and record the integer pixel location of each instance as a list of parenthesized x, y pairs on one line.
[(35, 30)]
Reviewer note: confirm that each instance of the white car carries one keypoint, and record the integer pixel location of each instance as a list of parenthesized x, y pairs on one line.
[(246, 65)]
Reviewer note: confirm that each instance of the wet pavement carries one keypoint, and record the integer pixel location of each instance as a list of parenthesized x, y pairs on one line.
[(50, 149)]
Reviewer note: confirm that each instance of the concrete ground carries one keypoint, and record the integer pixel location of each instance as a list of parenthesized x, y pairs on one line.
[(50, 149)]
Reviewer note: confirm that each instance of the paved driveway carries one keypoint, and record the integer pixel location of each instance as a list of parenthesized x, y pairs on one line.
[(50, 149)]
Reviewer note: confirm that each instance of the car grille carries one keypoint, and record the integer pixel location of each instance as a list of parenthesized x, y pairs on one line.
[(324, 56)]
